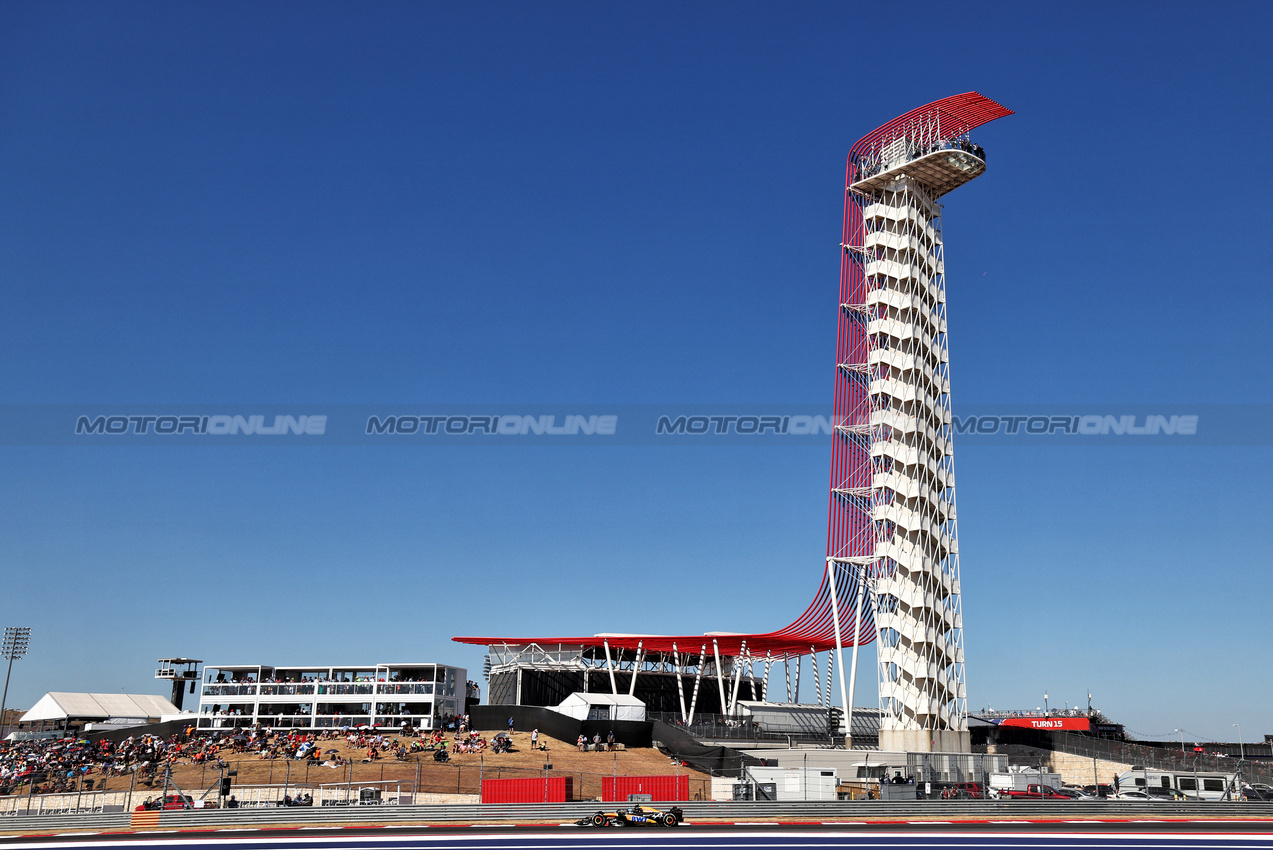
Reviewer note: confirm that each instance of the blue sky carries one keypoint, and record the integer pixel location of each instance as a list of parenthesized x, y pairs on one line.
[(309, 204)]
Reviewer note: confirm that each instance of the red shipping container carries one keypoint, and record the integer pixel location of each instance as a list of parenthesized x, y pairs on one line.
[(554, 789), (668, 788)]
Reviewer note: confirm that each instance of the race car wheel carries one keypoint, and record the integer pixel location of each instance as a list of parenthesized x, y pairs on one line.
[(669, 819), (598, 819)]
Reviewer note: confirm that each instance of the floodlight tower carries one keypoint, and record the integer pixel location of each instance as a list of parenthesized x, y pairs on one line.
[(892, 506), (17, 640), (179, 671)]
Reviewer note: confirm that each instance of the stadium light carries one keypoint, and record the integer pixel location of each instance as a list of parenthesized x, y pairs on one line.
[(17, 639)]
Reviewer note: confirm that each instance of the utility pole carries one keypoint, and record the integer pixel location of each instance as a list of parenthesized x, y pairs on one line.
[(17, 639)]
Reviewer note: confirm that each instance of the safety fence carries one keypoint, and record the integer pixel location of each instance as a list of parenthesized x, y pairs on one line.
[(245, 797), (567, 813), (1131, 753), (1160, 758), (267, 784), (727, 727)]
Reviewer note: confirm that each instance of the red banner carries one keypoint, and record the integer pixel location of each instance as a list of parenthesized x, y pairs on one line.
[(1069, 724)]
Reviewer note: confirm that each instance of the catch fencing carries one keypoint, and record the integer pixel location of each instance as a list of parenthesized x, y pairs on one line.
[(1130, 753), (396, 783), (1160, 758)]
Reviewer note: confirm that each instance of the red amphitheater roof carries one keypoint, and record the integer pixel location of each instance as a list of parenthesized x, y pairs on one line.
[(813, 630)]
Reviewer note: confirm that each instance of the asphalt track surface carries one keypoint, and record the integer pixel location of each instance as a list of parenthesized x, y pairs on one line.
[(1143, 834)]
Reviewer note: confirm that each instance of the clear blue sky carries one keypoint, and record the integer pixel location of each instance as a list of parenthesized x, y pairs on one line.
[(617, 203)]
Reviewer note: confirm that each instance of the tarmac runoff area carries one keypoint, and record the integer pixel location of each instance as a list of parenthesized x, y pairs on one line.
[(1213, 833), (1208, 835)]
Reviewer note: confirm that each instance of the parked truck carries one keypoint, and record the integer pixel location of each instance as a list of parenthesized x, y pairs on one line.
[(1032, 791), (1017, 784)]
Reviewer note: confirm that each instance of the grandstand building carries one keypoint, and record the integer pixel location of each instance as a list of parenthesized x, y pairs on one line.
[(331, 696), (547, 675), (892, 563)]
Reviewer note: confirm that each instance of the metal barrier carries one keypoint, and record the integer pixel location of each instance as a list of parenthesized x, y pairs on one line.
[(50, 823), (569, 812)]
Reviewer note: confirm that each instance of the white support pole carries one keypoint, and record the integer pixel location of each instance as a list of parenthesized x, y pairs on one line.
[(853, 668), (680, 687), (786, 666), (636, 667), (839, 645), (738, 677), (614, 689), (799, 667), (698, 678), (769, 659), (830, 663), (817, 680), (720, 675)]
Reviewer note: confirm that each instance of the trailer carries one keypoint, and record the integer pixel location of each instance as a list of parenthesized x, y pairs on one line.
[(1195, 785)]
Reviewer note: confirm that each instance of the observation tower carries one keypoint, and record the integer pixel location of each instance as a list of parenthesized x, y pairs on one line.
[(892, 563), (892, 520)]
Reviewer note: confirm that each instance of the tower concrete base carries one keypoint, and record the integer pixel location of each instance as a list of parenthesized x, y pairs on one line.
[(925, 741)]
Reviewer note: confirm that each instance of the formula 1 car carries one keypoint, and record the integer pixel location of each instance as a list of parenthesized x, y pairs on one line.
[(638, 815)]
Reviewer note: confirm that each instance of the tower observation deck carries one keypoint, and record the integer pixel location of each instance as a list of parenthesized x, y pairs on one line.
[(892, 564)]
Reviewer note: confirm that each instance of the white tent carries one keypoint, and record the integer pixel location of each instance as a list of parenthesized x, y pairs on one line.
[(63, 707), (585, 706)]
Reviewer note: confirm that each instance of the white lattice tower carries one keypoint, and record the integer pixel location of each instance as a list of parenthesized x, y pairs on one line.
[(916, 571)]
